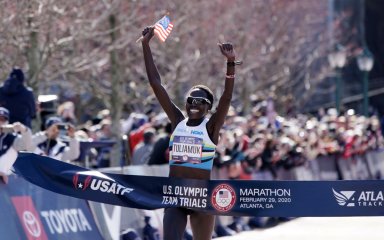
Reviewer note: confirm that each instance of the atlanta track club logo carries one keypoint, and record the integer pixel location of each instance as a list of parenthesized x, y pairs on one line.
[(366, 198), (344, 198), (223, 198)]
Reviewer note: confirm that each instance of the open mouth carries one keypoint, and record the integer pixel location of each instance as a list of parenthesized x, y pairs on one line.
[(194, 110)]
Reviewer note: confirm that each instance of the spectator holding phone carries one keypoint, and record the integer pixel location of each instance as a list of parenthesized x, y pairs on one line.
[(13, 137), (50, 142)]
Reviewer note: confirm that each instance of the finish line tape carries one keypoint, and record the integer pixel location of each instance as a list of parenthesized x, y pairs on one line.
[(219, 197)]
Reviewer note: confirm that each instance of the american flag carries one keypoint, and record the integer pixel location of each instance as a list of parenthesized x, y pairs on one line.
[(223, 194), (163, 28)]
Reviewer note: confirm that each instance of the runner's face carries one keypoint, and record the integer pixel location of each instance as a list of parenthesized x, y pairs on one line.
[(197, 104)]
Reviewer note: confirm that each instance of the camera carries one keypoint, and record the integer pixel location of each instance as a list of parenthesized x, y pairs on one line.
[(63, 129), (8, 128), (62, 126)]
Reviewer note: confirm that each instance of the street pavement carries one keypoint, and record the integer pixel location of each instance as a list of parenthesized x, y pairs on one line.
[(311, 228)]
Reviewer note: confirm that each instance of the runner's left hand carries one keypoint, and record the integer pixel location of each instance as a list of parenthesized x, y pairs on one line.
[(228, 51)]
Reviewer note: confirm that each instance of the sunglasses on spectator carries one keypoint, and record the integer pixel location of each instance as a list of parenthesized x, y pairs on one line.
[(198, 100)]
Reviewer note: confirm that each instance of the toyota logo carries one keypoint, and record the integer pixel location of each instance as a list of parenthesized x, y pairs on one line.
[(31, 224)]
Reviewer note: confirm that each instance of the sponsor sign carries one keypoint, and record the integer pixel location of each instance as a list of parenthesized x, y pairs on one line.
[(98, 182), (362, 199), (42, 214), (29, 218)]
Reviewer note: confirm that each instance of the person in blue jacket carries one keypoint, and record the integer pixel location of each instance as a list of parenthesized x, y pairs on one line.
[(18, 98)]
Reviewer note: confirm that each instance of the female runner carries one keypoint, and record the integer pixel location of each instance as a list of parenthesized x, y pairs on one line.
[(194, 139)]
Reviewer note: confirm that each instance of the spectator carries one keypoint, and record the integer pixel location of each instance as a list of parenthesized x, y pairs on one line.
[(160, 153), (46, 107), (144, 149), (136, 136), (48, 142), (18, 99), (104, 153), (13, 137), (267, 157), (67, 112), (104, 114)]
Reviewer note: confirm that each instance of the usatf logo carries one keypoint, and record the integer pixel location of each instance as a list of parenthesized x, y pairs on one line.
[(195, 132), (223, 198), (80, 185), (344, 198), (102, 183)]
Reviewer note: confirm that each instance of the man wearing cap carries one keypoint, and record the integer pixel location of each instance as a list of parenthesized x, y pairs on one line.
[(48, 143), (13, 137)]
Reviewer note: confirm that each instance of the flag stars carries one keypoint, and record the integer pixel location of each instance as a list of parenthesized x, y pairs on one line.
[(163, 28), (80, 185)]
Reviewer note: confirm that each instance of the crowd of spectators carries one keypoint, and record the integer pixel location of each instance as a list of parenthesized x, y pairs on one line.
[(261, 140), (258, 142)]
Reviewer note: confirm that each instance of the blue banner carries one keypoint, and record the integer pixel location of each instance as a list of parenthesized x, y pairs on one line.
[(30, 212), (220, 197)]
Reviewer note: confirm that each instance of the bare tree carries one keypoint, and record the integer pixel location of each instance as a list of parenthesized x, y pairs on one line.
[(88, 48)]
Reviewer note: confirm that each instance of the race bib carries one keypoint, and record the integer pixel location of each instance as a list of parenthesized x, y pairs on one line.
[(187, 149)]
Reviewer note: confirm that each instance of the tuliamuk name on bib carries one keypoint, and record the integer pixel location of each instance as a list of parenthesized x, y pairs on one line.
[(191, 146)]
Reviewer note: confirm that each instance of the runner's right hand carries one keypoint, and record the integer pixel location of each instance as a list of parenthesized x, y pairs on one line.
[(148, 33)]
